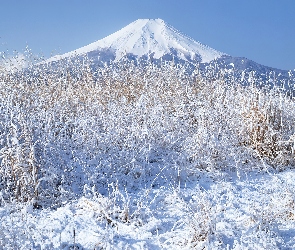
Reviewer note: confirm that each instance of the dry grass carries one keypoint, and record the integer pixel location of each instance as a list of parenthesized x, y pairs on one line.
[(113, 113)]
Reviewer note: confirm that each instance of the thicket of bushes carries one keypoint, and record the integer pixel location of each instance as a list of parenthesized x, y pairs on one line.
[(66, 129)]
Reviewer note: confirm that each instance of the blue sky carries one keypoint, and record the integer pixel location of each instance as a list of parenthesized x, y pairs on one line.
[(261, 30)]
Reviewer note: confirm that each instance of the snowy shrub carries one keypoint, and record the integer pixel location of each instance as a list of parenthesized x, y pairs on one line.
[(70, 125)]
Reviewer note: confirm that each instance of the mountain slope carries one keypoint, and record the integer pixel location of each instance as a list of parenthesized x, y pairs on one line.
[(146, 37), (155, 40)]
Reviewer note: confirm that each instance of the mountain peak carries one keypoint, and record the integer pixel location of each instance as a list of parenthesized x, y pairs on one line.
[(140, 23), (155, 22), (150, 20), (148, 37)]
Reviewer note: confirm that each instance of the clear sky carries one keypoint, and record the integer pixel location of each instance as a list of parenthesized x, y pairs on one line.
[(261, 30)]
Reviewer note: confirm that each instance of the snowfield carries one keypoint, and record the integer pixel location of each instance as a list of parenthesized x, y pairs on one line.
[(144, 157), (211, 212)]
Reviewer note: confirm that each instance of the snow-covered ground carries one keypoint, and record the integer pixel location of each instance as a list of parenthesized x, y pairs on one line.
[(213, 211), (144, 157)]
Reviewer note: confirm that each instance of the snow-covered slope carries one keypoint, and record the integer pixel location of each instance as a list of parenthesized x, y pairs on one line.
[(156, 40), (147, 37)]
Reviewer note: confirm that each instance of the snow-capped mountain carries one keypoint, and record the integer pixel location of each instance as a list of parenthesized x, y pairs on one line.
[(146, 37), (155, 40)]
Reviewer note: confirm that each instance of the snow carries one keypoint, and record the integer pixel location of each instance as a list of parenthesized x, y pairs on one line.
[(146, 36), (144, 157), (255, 212), (12, 63)]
